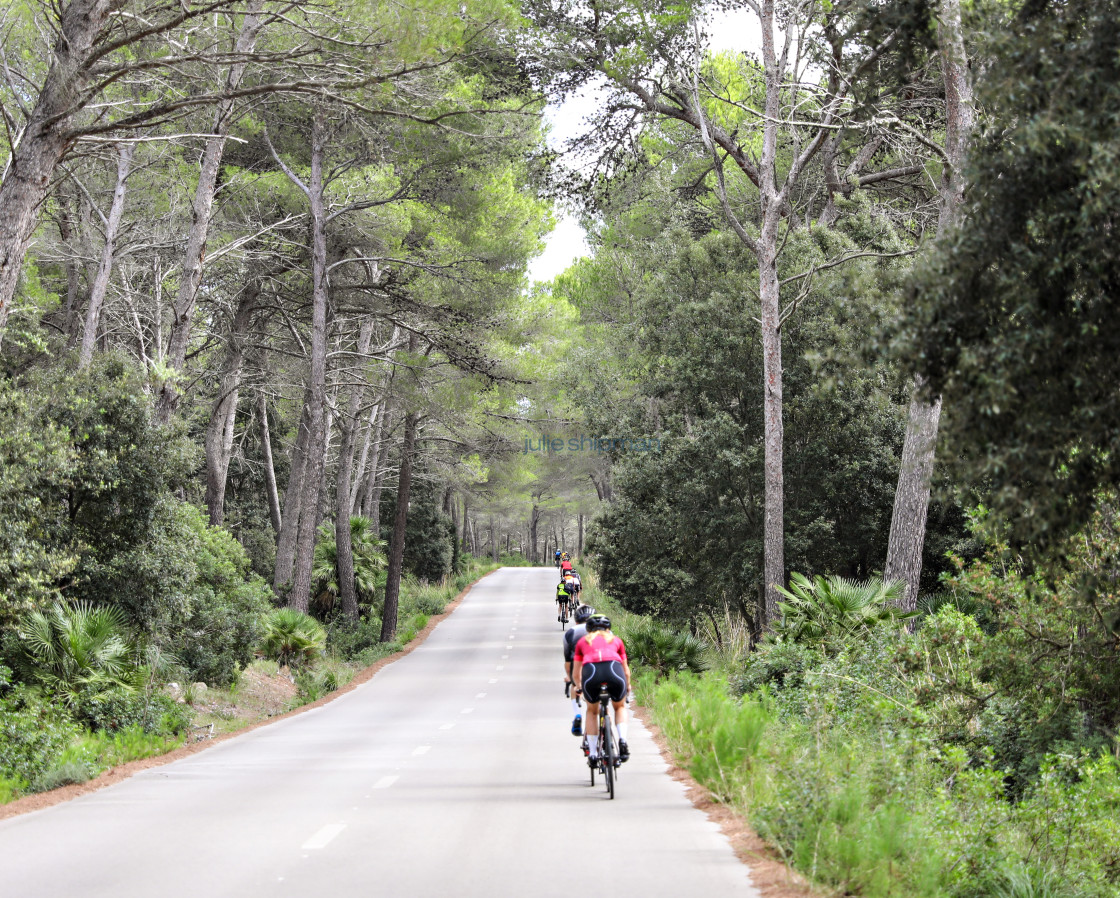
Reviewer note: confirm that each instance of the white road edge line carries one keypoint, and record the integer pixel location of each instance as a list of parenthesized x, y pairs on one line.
[(323, 837), (447, 726), (481, 695), (421, 750), (385, 782)]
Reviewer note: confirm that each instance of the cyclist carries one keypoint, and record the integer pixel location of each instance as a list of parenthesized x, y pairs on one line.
[(571, 637), (563, 597), (565, 564), (556, 557), (600, 657), (576, 582)]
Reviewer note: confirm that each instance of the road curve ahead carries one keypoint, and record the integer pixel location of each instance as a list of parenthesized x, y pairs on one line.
[(451, 773)]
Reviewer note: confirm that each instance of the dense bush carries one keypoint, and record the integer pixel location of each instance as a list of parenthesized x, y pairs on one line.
[(152, 712), (429, 535), (33, 736), (216, 605), (347, 640)]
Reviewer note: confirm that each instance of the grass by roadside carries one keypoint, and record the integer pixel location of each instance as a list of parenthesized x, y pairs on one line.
[(836, 766)]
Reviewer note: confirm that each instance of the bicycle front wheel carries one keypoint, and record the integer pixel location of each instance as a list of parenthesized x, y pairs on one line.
[(609, 753)]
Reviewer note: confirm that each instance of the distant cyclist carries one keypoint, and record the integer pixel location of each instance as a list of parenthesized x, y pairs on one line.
[(571, 637), (563, 597), (556, 557), (600, 658), (576, 582)]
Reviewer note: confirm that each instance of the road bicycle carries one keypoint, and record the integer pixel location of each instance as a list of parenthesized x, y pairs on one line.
[(608, 761), (563, 617)]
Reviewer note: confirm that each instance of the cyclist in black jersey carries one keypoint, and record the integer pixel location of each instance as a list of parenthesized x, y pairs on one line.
[(571, 637)]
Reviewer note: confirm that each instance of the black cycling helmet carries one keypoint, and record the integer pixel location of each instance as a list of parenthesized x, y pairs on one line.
[(583, 612), (598, 622)]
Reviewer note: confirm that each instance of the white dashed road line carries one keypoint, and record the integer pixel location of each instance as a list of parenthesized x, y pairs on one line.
[(323, 837)]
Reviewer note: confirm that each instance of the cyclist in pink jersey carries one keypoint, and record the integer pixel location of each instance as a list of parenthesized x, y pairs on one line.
[(600, 657)]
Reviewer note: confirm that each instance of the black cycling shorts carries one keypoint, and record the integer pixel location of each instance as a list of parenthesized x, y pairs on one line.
[(609, 672)]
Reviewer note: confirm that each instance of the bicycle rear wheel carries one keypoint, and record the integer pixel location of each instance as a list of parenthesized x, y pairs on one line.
[(608, 753)]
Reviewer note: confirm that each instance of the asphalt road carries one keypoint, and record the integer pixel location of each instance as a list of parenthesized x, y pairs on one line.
[(451, 773)]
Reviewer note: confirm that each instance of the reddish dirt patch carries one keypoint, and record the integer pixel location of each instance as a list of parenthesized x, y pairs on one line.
[(769, 874), (41, 800)]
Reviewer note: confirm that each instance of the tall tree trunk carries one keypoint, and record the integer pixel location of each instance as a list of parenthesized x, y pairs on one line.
[(400, 524), (219, 431), (68, 232), (300, 595), (344, 549), (293, 496), (269, 469), (466, 523), (534, 521), (773, 553), (493, 541), (372, 501), (579, 548), (359, 478), (911, 499), (190, 276), (105, 267), (46, 139)]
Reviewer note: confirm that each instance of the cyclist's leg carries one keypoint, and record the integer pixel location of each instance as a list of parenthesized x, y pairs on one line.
[(591, 727), (590, 685), (618, 700)]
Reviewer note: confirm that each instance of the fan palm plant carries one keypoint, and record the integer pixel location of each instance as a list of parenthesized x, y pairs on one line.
[(369, 562), (664, 650), (830, 611), (77, 649), (292, 637)]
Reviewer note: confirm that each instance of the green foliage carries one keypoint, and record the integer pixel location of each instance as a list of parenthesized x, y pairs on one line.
[(867, 804), (369, 563), (830, 612), (76, 652), (88, 484), (35, 459), (292, 638), (33, 736), (213, 606), (65, 773), (682, 536), (1042, 678), (429, 534), (663, 649), (724, 736), (315, 682), (1012, 318), (151, 712)]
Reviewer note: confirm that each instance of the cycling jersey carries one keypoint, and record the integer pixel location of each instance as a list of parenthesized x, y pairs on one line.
[(571, 637), (565, 565), (600, 646), (563, 593)]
